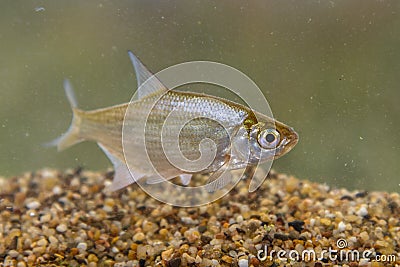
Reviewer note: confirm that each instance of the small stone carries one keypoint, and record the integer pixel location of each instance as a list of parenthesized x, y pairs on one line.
[(351, 218), (164, 232), (243, 263), (92, 258), (292, 184), (205, 239), (119, 258), (341, 226), (39, 250), (57, 190), (325, 221), (198, 259), (42, 242), (141, 252), (188, 258), (254, 262), (227, 259), (297, 225), (364, 236), (149, 227), (32, 205), (53, 240), (282, 237), (21, 264), (362, 212), (45, 218), (61, 228), (166, 255), (202, 228), (175, 262), (329, 202), (82, 246), (214, 262), (139, 237), (381, 244), (233, 253), (13, 253)]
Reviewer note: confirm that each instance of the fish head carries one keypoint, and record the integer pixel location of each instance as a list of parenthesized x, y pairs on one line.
[(270, 139), (265, 140)]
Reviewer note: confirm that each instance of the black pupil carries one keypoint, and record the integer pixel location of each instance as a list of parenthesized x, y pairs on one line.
[(270, 138)]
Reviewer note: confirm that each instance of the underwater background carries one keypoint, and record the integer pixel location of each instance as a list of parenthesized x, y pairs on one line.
[(330, 69)]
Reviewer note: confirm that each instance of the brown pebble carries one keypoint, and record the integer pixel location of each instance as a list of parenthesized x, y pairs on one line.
[(176, 262)]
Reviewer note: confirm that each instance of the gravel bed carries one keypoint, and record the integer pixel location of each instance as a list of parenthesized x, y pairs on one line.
[(53, 218)]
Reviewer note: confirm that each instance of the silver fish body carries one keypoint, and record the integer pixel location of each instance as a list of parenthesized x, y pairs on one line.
[(197, 123)]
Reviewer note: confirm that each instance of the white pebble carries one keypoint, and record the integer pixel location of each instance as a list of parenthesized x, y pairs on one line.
[(189, 220), (114, 249), (341, 226), (362, 211), (82, 246), (57, 190), (214, 262), (61, 228), (239, 219), (13, 253), (243, 263), (33, 205)]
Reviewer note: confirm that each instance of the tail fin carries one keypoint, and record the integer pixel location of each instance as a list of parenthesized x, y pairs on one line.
[(71, 136)]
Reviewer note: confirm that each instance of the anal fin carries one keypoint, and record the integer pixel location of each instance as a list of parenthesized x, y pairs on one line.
[(218, 180), (122, 175)]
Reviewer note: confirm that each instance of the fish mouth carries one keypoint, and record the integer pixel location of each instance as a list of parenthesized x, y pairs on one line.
[(293, 139), (290, 140)]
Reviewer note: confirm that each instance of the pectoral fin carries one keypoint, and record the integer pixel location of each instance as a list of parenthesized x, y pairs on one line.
[(122, 175), (218, 180)]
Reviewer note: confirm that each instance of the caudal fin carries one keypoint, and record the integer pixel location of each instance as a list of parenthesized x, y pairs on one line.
[(71, 136)]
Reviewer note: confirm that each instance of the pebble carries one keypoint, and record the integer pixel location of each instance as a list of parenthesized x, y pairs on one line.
[(61, 228), (13, 253), (92, 258), (362, 212), (42, 242), (188, 258), (57, 190), (79, 224), (82, 246), (325, 221), (33, 204), (167, 254), (341, 226), (176, 262), (139, 237), (45, 218), (243, 263)]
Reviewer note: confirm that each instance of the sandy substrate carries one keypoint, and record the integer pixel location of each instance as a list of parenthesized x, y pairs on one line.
[(52, 218)]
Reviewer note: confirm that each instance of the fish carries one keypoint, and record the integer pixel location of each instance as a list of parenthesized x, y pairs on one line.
[(237, 136)]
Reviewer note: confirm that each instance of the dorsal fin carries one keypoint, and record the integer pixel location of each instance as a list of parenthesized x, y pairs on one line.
[(143, 74)]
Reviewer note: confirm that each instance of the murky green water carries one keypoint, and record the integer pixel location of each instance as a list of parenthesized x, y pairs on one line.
[(330, 69)]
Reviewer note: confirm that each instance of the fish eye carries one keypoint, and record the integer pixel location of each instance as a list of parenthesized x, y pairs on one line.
[(269, 138)]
